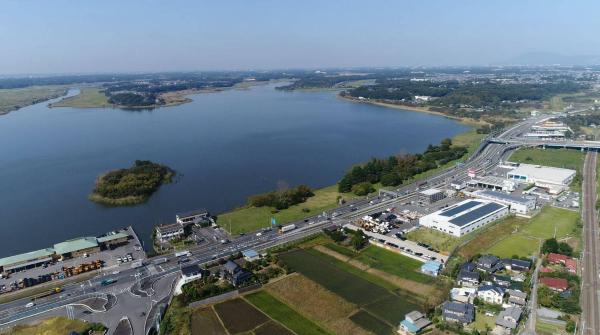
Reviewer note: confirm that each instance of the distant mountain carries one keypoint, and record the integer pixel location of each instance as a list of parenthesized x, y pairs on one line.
[(548, 58)]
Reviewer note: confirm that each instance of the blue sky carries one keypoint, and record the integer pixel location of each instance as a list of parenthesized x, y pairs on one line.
[(127, 36)]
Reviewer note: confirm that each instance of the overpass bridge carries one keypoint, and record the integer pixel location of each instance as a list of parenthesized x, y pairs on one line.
[(577, 145)]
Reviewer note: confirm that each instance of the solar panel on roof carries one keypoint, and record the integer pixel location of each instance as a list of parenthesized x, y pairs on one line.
[(461, 208), (475, 214)]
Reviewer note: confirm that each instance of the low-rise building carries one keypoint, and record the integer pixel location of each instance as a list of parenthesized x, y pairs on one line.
[(489, 263), (493, 183), (431, 268), (569, 263), (517, 265), (188, 275), (554, 180), (516, 204), (502, 281), (490, 294), (413, 323), (464, 217), (170, 231), (77, 247), (250, 255), (430, 196), (517, 298), (235, 274), (26, 260), (192, 217), (509, 317), (458, 312), (112, 240), (467, 276)]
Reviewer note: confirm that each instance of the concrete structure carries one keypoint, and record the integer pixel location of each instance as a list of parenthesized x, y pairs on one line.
[(167, 232), (77, 247), (493, 183), (509, 318), (516, 204), (192, 217), (554, 180), (431, 268), (431, 195), (250, 255), (490, 294), (464, 217), (413, 323), (459, 312), (113, 239)]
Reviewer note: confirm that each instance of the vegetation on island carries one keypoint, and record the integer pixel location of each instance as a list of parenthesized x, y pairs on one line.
[(16, 98), (131, 186), (396, 169)]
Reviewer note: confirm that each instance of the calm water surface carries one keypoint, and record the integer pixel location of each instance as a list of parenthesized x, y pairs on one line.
[(225, 146)]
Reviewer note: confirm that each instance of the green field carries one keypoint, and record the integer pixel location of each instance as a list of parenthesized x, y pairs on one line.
[(526, 238), (284, 314), (341, 249), (545, 328), (15, 98), (371, 323), (90, 97), (482, 322), (561, 158), (393, 263), (50, 326), (253, 218), (436, 239)]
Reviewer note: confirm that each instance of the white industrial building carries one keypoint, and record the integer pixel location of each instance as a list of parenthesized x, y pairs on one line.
[(555, 180), (494, 183), (431, 195), (464, 217), (516, 204)]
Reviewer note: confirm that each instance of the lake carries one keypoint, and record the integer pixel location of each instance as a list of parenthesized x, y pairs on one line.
[(225, 146)]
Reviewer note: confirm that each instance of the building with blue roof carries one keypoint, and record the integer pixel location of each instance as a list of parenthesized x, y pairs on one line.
[(250, 255), (413, 323), (464, 217), (431, 268)]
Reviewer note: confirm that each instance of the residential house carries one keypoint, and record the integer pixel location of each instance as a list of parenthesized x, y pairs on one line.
[(517, 265), (517, 298), (503, 281), (188, 274), (235, 274), (463, 294), (491, 294), (509, 318), (459, 312), (250, 255), (489, 263), (555, 284), (467, 276), (192, 217), (413, 323)]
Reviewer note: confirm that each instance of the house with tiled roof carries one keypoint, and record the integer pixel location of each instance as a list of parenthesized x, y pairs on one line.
[(555, 284)]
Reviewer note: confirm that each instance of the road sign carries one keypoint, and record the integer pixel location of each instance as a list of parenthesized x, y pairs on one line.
[(471, 173)]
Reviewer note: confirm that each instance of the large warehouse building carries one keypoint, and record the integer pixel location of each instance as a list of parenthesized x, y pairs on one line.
[(464, 217), (555, 180), (517, 204)]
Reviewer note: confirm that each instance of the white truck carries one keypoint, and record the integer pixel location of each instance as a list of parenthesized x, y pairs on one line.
[(287, 228)]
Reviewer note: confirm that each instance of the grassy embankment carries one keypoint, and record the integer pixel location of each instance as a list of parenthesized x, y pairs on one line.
[(89, 97), (246, 219), (52, 326), (15, 98)]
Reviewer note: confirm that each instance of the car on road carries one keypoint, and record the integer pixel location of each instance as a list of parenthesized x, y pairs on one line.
[(30, 304)]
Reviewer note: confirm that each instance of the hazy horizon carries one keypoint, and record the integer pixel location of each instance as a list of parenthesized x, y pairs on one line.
[(64, 37)]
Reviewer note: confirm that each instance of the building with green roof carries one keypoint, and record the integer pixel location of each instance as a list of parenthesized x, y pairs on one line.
[(26, 260), (77, 247)]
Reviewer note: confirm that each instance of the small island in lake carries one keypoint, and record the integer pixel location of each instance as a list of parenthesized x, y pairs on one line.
[(125, 187)]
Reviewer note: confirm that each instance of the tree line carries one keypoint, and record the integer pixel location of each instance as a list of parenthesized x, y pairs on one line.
[(281, 199), (393, 170)]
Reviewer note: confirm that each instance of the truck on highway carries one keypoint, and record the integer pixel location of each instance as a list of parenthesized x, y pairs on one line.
[(47, 293), (185, 253), (287, 228), (107, 282)]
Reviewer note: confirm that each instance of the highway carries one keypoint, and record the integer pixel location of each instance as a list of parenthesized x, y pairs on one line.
[(487, 156), (590, 323)]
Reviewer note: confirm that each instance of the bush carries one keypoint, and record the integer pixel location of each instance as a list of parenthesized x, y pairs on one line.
[(363, 188), (281, 199)]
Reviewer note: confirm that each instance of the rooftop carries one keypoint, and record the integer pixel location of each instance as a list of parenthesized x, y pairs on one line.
[(168, 228), (547, 173), (75, 244), (250, 253), (112, 237), (431, 191), (476, 214), (505, 197), (200, 211), (26, 257)]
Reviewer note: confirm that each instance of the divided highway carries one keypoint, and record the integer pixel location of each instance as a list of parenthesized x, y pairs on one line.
[(590, 323)]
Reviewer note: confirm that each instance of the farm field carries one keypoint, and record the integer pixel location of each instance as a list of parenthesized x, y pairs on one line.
[(205, 321), (284, 314), (387, 306), (316, 303), (51, 326), (546, 328), (527, 238), (239, 316), (393, 263), (371, 323), (272, 328)]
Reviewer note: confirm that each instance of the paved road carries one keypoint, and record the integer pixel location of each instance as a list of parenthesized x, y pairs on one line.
[(590, 319), (529, 328)]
